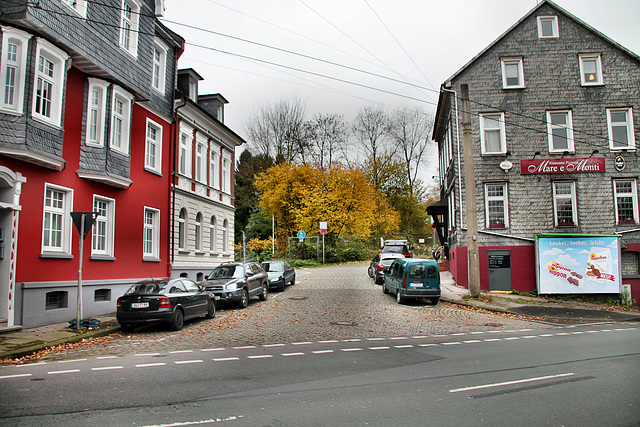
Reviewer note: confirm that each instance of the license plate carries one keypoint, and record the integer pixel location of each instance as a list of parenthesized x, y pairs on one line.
[(139, 305)]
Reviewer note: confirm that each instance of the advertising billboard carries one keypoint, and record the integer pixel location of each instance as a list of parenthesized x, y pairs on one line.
[(578, 264)]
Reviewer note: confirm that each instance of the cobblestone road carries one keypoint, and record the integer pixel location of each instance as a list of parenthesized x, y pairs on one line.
[(336, 302)]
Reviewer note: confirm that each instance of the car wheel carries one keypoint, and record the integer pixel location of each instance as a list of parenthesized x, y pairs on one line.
[(293, 281), (399, 297), (211, 310), (434, 301), (265, 292), (177, 321), (384, 288), (281, 288), (370, 272), (244, 299)]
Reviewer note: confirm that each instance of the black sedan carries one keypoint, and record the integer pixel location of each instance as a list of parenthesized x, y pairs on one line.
[(280, 272), (380, 264), (168, 300)]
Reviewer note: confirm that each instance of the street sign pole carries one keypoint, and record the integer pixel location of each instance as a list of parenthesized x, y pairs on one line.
[(323, 231), (79, 310)]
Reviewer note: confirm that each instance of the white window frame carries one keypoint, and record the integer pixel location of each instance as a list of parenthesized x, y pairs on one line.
[(518, 62), (153, 147), (64, 213), (631, 138), (182, 229), (198, 232), (20, 39), (45, 51), (124, 117), (97, 111), (212, 235), (503, 138), (201, 157), (225, 236), (634, 200), (185, 150), (599, 79), (78, 6), (151, 234), (226, 174), (214, 167), (104, 222), (159, 71), (574, 203), (554, 27), (568, 127), (193, 90), (494, 198), (129, 26)]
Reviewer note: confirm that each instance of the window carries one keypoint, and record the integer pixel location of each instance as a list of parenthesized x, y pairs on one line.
[(214, 168), (120, 120), (56, 299), (102, 230), (96, 112), (560, 131), (56, 229), (591, 70), (620, 126), (512, 73), (159, 66), (496, 205), (129, 26), (102, 295), (184, 161), (225, 244), (12, 73), (492, 133), (547, 27), (629, 263), (151, 242), (625, 193), (182, 229), (226, 175), (153, 149), (212, 234), (564, 200), (193, 90), (78, 6), (48, 83), (198, 235), (201, 152)]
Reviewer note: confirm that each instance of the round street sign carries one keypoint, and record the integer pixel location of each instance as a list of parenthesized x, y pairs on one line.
[(323, 231), (301, 234)]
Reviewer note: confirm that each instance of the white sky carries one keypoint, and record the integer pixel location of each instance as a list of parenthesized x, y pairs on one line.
[(440, 36)]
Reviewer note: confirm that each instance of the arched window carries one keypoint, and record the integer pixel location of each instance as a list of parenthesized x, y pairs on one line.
[(225, 244), (182, 229), (212, 234), (198, 231)]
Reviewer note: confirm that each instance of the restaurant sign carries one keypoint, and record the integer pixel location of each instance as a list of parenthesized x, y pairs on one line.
[(579, 165)]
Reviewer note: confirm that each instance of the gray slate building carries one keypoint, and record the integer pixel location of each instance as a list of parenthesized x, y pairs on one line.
[(554, 116)]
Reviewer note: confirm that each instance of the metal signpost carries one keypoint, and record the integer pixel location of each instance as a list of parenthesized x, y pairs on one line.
[(83, 222), (323, 231)]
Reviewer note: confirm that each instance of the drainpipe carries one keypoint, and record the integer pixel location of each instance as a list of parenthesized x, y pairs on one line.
[(455, 98), (174, 176)]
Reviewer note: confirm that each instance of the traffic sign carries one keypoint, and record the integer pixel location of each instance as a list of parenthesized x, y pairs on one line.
[(301, 234), (323, 231)]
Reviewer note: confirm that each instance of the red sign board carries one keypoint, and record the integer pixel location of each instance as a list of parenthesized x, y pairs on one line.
[(581, 165)]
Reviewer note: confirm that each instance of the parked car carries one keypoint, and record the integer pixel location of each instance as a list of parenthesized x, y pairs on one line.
[(380, 264), (168, 300), (413, 278), (397, 247), (236, 282), (280, 272)]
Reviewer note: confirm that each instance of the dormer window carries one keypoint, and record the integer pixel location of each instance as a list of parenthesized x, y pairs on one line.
[(547, 27), (193, 90)]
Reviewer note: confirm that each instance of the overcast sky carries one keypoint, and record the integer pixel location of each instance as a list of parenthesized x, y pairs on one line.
[(420, 41)]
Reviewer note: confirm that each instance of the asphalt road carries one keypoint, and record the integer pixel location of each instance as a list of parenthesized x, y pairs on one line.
[(394, 368)]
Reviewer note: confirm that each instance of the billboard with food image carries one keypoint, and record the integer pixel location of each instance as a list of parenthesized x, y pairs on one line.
[(578, 264)]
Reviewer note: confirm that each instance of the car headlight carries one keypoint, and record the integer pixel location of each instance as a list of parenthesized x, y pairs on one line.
[(231, 286), (276, 279)]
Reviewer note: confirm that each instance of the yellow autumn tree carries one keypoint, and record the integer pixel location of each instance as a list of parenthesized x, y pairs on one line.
[(301, 196)]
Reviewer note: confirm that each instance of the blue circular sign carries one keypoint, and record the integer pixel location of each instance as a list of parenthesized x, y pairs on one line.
[(301, 234)]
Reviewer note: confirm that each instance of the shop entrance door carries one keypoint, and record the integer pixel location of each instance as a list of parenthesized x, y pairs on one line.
[(499, 270)]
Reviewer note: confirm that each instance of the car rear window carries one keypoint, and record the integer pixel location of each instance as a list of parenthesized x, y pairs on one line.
[(432, 272), (394, 249), (417, 271), (146, 288)]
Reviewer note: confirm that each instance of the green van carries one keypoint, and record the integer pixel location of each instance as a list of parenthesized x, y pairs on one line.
[(413, 278)]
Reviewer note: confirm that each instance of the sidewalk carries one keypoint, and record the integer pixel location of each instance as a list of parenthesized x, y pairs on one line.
[(23, 342), (547, 309)]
